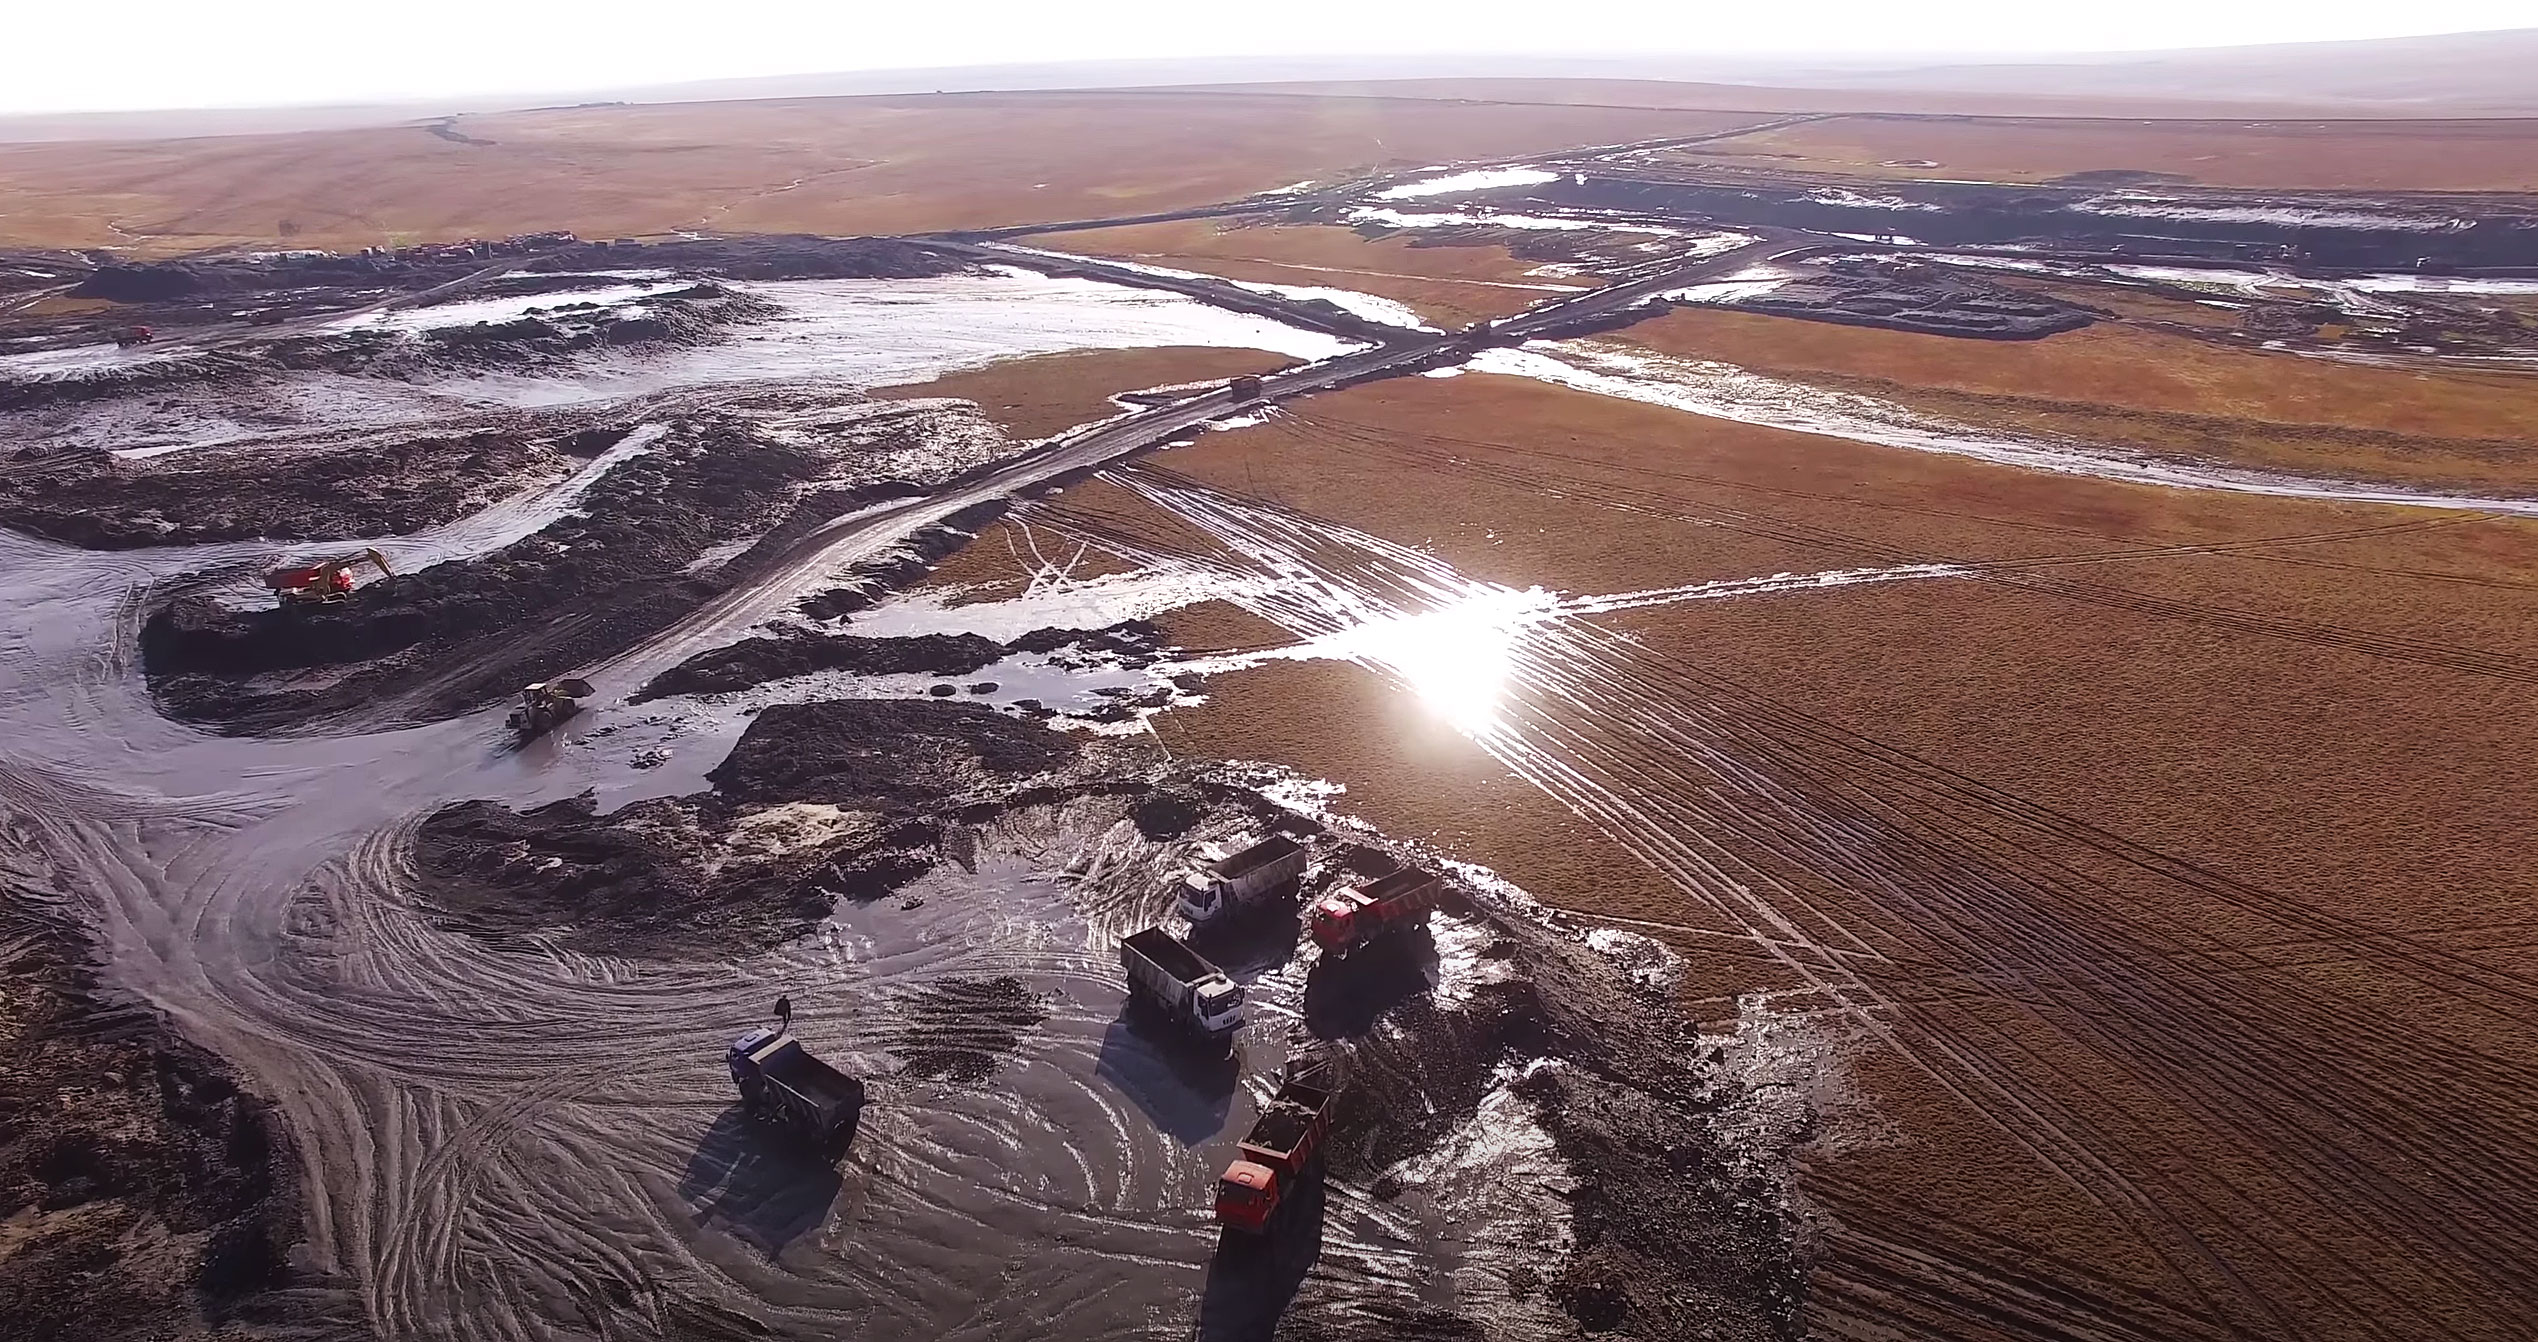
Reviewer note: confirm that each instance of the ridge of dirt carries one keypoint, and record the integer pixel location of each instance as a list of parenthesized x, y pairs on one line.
[(794, 652), (142, 1192), (755, 661), (311, 492), (816, 803)]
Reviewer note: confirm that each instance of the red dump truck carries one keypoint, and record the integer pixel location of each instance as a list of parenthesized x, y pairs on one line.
[(1236, 882), (1276, 1153), (1348, 918), (783, 1085)]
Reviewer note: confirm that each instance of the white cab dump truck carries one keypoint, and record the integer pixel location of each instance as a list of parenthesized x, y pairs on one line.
[(1181, 983), (1235, 882)]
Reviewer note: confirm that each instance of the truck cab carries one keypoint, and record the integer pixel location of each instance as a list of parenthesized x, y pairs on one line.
[(1334, 920), (1218, 1006), (1247, 1196), (1203, 896)]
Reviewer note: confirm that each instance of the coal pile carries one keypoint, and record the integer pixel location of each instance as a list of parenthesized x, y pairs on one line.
[(147, 1195), (755, 661), (1921, 304), (817, 803), (312, 492)]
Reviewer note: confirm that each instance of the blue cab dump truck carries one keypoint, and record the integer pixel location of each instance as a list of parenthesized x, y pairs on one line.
[(783, 1086)]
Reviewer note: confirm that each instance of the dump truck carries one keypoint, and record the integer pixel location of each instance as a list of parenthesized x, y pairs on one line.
[(783, 1086), (1244, 389), (1347, 919), (130, 336), (1181, 983), (1276, 1153), (1236, 882)]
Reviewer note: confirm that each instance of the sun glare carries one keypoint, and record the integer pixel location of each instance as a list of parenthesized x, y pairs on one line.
[(1457, 658)]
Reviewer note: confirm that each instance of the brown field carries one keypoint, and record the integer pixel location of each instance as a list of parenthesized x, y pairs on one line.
[(1753, 98), (2301, 717), (2154, 390), (2496, 155), (1452, 286), (1037, 396), (834, 165)]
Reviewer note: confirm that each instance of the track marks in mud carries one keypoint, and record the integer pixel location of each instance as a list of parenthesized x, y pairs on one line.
[(1871, 875)]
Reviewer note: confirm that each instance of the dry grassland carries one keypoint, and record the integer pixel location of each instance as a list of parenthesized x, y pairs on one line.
[(1753, 98), (833, 165), (2158, 391), (1448, 286), (2496, 155), (2225, 1063)]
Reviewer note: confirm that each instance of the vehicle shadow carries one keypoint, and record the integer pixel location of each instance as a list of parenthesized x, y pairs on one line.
[(1253, 1278), (1343, 998), (766, 1190), (1185, 1091)]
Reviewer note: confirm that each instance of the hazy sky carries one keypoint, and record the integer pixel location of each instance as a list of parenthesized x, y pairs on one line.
[(204, 53)]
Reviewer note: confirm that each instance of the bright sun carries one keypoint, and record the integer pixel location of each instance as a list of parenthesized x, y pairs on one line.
[(1457, 658)]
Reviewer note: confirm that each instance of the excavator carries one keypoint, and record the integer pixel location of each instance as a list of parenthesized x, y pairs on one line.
[(545, 703), (321, 583)]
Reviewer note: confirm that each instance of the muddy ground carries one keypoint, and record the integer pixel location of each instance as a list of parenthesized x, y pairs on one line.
[(639, 552), (1683, 1223), (277, 294), (143, 1194), (796, 652), (819, 802), (374, 486), (2387, 231)]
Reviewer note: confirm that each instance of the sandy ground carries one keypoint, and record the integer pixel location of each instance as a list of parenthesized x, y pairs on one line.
[(2102, 815), (2492, 155), (1446, 285), (840, 165), (2155, 390)]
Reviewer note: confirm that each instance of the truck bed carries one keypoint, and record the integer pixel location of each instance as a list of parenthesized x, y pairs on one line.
[(1275, 848), (1290, 1114), (1279, 1129), (1395, 884), (1167, 953), (793, 1067)]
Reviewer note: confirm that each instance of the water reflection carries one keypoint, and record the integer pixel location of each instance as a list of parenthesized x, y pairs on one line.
[(1457, 658)]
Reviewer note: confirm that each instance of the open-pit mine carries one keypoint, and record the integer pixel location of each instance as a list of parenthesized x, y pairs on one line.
[(1633, 711)]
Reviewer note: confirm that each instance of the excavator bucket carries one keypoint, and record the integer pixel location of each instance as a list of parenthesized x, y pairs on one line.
[(380, 560), (571, 687)]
